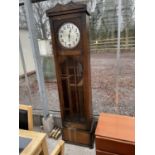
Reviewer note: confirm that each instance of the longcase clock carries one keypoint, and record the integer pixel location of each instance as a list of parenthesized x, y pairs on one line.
[(69, 30)]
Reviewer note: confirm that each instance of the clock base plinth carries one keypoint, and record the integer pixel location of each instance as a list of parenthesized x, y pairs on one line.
[(79, 136)]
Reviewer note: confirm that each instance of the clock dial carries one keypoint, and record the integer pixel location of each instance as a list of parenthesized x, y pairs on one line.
[(69, 35)]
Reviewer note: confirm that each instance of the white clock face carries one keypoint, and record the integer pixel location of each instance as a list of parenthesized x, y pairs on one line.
[(69, 35)]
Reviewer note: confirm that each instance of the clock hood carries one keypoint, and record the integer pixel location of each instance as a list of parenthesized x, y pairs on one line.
[(71, 7)]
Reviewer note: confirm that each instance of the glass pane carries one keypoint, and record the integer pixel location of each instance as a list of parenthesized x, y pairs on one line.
[(104, 69), (103, 23), (72, 86), (23, 142)]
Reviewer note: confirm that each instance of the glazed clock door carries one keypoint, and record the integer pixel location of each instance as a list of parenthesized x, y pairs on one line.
[(72, 89)]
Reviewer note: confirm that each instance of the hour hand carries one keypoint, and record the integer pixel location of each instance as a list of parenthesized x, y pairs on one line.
[(69, 37)]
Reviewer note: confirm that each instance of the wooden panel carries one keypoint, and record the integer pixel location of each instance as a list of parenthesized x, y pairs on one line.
[(44, 147), (116, 127), (115, 134), (76, 136), (111, 145), (99, 152), (39, 151)]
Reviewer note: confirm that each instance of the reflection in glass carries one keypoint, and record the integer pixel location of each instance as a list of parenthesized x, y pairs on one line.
[(72, 85)]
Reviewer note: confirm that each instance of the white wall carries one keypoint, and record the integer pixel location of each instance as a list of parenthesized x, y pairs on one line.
[(27, 51)]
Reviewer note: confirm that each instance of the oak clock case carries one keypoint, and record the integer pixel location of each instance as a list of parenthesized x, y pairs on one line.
[(69, 30)]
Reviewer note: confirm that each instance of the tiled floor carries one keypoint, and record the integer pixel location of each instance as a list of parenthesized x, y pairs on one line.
[(71, 149)]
